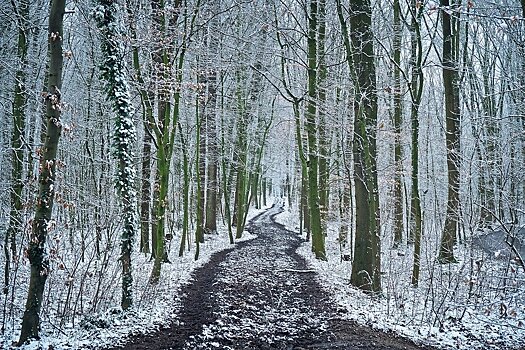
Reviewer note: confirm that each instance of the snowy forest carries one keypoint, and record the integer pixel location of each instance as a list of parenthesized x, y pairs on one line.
[(262, 174)]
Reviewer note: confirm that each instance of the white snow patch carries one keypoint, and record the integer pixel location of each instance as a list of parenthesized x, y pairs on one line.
[(155, 305), (437, 312)]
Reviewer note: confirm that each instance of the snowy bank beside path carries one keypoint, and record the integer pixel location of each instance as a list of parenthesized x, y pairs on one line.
[(432, 314), (155, 306)]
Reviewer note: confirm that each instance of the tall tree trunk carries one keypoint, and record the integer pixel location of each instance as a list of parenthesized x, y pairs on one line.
[(125, 135), (146, 97), (145, 194), (366, 266), (416, 56), (318, 239), (323, 127), (213, 157), (161, 69), (185, 193), (200, 158), (42, 222), (17, 147), (452, 117), (263, 191), (240, 165), (398, 119)]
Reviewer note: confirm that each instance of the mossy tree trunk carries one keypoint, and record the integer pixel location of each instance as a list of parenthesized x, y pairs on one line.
[(168, 116), (318, 239), (366, 265)]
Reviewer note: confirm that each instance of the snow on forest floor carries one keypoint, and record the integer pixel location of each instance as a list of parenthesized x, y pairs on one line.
[(438, 312), (154, 306)]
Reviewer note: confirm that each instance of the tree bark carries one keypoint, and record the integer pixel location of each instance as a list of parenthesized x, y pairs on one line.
[(323, 127), (200, 159), (366, 266), (416, 52), (146, 97), (398, 119), (213, 157), (452, 117), (42, 222), (17, 147), (318, 239)]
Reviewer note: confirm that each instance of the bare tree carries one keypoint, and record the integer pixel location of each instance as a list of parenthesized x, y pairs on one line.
[(42, 222)]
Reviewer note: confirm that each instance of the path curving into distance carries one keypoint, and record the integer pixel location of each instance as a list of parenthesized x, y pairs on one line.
[(261, 295)]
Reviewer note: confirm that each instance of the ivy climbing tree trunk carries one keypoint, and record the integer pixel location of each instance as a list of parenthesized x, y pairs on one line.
[(42, 222), (117, 90)]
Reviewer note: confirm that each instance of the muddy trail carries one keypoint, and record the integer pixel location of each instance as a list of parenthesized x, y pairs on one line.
[(261, 295)]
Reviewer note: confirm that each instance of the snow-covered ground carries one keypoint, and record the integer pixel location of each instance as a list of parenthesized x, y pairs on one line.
[(154, 306), (443, 311)]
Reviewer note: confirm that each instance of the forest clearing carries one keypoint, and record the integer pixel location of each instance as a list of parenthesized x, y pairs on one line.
[(262, 174)]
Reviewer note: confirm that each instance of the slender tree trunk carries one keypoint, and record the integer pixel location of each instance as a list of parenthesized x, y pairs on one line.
[(240, 185), (452, 116), (318, 239), (17, 147), (199, 232), (200, 160), (226, 184), (185, 193), (398, 119), (213, 157), (42, 222), (323, 127), (416, 52), (263, 191), (146, 97), (145, 194), (210, 225)]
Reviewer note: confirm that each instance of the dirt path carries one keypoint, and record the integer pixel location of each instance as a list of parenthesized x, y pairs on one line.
[(253, 297)]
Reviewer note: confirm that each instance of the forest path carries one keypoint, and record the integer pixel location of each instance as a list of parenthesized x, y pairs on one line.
[(261, 295)]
